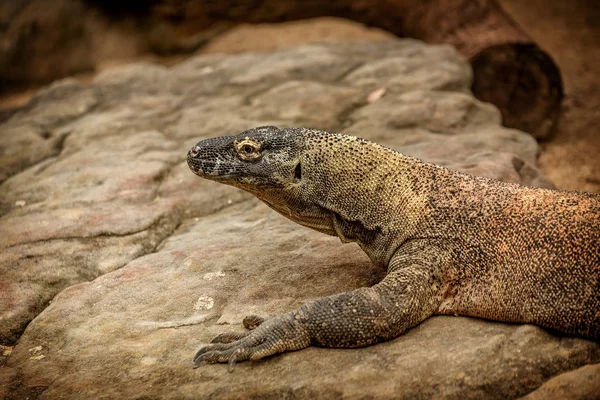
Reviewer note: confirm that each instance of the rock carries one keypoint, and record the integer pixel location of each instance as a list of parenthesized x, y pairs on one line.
[(30, 135), (272, 36), (41, 43), (120, 262), (415, 68), (583, 383), (305, 103), (510, 69)]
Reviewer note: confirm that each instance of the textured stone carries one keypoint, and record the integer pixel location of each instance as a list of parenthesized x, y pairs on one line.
[(305, 103), (29, 136), (125, 262), (583, 383), (414, 68)]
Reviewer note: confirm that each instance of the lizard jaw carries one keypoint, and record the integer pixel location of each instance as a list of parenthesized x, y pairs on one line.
[(213, 170)]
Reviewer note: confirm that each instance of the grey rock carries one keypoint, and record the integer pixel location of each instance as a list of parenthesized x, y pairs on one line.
[(306, 103), (120, 262), (29, 136), (414, 67)]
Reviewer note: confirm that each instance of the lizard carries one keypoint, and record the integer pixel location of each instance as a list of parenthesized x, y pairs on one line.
[(452, 243)]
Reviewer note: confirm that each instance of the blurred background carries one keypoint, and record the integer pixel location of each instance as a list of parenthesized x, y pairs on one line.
[(537, 61)]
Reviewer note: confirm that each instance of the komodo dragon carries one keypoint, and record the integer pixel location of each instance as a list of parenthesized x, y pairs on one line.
[(452, 243)]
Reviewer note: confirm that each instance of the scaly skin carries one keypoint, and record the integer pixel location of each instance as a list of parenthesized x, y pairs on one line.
[(452, 243)]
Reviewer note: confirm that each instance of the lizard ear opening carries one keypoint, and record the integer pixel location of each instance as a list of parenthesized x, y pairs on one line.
[(298, 172)]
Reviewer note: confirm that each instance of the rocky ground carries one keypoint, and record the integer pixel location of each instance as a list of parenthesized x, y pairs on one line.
[(117, 262)]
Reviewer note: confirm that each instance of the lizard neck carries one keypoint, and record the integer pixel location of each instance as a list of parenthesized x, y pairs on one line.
[(368, 191)]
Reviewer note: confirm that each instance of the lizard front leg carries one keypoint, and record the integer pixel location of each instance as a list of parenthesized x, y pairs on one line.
[(404, 298)]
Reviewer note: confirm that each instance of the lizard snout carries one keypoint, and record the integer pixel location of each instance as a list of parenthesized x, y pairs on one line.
[(209, 158), (194, 162)]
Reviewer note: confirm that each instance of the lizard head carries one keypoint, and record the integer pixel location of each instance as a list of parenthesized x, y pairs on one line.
[(269, 163), (258, 159)]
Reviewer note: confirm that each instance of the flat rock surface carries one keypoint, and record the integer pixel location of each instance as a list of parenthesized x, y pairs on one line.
[(117, 263)]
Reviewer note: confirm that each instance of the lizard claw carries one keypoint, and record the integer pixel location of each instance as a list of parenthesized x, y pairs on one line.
[(232, 361), (199, 356)]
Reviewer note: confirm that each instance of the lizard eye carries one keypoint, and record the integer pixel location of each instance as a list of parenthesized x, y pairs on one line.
[(248, 149)]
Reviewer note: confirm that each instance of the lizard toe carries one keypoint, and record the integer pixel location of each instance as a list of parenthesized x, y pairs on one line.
[(238, 353), (252, 321), (209, 348), (212, 357), (229, 337), (211, 352)]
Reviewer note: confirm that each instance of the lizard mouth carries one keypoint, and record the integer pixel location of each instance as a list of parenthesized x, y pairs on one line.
[(210, 169)]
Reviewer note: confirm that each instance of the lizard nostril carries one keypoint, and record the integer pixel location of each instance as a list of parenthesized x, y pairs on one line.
[(194, 151)]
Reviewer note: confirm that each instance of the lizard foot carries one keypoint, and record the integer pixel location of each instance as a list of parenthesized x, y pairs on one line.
[(276, 335)]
